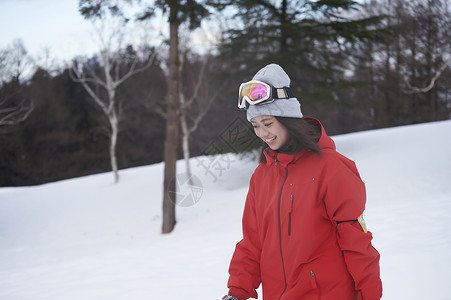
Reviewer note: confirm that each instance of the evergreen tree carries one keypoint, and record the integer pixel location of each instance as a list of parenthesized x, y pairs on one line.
[(308, 38)]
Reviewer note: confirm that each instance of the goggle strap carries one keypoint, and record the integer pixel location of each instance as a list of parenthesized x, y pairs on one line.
[(282, 93)]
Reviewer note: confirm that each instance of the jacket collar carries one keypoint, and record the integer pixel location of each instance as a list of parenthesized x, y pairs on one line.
[(275, 158)]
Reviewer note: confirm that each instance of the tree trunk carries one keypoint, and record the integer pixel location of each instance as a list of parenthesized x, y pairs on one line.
[(114, 131), (185, 143), (172, 131), (283, 28), (373, 111)]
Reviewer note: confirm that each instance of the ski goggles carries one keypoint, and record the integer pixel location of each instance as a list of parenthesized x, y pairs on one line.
[(257, 92)]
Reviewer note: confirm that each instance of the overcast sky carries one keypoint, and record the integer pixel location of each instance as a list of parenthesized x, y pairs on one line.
[(58, 26), (53, 24)]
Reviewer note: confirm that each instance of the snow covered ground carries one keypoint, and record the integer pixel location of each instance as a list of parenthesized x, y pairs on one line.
[(87, 238)]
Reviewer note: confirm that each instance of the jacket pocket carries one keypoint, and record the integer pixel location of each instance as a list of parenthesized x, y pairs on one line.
[(290, 213)]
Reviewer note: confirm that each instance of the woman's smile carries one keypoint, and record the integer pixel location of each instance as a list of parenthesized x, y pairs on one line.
[(270, 140), (271, 131)]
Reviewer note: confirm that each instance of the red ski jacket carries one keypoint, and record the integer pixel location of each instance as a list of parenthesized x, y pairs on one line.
[(301, 238)]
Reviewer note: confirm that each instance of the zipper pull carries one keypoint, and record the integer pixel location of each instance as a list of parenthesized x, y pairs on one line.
[(312, 276), (275, 161)]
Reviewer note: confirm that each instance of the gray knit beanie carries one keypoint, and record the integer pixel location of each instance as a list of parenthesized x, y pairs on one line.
[(274, 75)]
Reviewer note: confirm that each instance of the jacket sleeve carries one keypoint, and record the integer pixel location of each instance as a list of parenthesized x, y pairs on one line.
[(244, 268), (345, 199)]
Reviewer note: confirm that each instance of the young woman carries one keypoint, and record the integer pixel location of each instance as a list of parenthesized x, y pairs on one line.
[(304, 236)]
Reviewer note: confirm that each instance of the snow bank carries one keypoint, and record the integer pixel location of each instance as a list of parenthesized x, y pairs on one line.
[(87, 238)]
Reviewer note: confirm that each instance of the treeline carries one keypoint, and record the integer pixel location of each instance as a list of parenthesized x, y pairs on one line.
[(404, 80), (66, 135), (387, 64)]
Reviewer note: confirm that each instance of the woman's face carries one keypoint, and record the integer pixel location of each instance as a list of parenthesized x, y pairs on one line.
[(271, 131)]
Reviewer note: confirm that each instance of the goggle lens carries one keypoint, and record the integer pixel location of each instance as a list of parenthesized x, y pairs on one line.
[(255, 91)]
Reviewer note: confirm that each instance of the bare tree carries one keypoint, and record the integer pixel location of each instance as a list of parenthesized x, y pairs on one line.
[(185, 105), (436, 16), (196, 92), (414, 89), (3, 65), (195, 104), (14, 62), (178, 12), (13, 112), (102, 84), (407, 73)]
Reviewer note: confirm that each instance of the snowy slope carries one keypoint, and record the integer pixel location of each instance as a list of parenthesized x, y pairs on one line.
[(87, 238)]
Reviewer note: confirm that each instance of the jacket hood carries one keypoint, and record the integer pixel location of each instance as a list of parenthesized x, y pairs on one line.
[(325, 142)]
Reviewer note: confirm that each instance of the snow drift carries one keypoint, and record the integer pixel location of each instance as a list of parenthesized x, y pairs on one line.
[(87, 238)]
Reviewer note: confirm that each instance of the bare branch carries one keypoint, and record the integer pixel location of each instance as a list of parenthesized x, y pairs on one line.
[(84, 81), (131, 72), (16, 114), (95, 78), (204, 111), (160, 111), (198, 84), (414, 90)]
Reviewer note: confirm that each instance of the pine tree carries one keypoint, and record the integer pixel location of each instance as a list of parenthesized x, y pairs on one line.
[(308, 38)]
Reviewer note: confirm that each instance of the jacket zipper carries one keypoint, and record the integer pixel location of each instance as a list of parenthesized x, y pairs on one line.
[(289, 215), (280, 234)]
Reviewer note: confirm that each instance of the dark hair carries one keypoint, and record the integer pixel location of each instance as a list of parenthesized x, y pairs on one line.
[(302, 134)]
